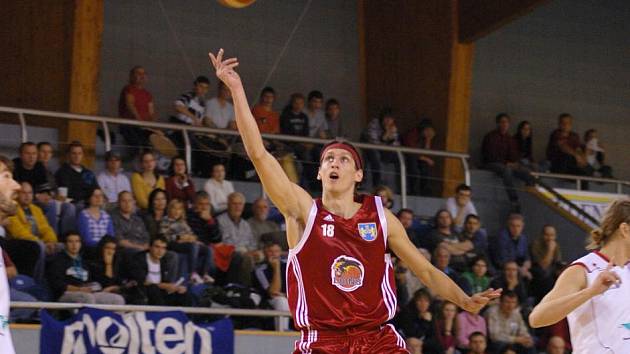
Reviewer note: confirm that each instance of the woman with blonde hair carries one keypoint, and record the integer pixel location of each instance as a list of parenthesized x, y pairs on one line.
[(593, 292)]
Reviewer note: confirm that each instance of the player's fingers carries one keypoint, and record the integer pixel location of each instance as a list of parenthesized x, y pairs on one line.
[(220, 55), (213, 59), (230, 61), (231, 66)]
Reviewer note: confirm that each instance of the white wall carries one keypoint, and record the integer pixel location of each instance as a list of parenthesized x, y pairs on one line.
[(567, 56)]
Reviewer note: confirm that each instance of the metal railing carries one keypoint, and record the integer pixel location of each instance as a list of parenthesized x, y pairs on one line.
[(185, 129), (146, 308), (619, 184)]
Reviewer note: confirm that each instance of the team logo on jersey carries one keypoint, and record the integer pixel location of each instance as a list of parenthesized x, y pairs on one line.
[(368, 231), (347, 273)]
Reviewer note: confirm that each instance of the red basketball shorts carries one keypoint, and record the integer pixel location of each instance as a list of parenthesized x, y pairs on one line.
[(384, 340)]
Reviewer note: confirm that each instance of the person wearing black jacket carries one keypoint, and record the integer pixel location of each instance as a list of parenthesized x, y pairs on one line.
[(69, 277), (27, 168), (79, 180), (200, 219), (416, 321), (156, 276)]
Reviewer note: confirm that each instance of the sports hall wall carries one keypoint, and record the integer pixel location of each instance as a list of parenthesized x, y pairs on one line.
[(566, 56), (171, 38)]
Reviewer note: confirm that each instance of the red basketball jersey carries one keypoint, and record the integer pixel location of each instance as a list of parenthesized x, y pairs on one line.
[(340, 274)]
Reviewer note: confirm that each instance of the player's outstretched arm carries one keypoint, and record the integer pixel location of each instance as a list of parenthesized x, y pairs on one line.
[(433, 278), (569, 292), (291, 200)]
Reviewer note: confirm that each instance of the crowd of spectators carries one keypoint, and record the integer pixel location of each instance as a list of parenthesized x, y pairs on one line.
[(151, 238)]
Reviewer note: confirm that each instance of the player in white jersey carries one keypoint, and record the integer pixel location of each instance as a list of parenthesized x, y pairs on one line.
[(8, 207), (594, 292)]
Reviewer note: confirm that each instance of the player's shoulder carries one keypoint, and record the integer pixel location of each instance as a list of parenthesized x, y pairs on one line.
[(592, 261)]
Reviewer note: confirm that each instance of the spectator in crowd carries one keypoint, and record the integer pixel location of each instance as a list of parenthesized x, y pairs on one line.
[(293, 121), (446, 326), (61, 216), (219, 110), (444, 234), (512, 245), (182, 241), (478, 343), (156, 211), (478, 276), (333, 109), (406, 282), (317, 126), (179, 185), (68, 277), (30, 223), (112, 180), (237, 232), (524, 145), (596, 155), (218, 188), (268, 120), (105, 269), (30, 235), (45, 154), (76, 178), (441, 260), (473, 232), (467, 325), (200, 220), (27, 168), (381, 131), (546, 262), (406, 216), (416, 321), (460, 205), (191, 106), (509, 349), (260, 225), (94, 222), (16, 294), (419, 166), (156, 276), (507, 327), (190, 109), (129, 229), (135, 102), (510, 280), (565, 151), (386, 194), (500, 155), (270, 278), (556, 345), (144, 182)]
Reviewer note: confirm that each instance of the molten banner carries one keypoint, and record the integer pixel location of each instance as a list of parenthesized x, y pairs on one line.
[(94, 331)]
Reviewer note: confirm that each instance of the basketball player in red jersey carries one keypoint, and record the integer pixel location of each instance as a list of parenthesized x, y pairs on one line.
[(340, 279)]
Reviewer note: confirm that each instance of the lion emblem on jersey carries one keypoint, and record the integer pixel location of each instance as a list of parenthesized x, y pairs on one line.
[(347, 273), (368, 231)]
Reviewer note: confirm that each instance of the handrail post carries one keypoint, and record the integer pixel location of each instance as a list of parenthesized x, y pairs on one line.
[(403, 179), (467, 179), (24, 133), (578, 184), (108, 140), (187, 149), (619, 188)]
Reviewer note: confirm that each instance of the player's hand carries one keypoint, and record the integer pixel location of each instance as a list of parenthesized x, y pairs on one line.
[(605, 280), (476, 302), (225, 70)]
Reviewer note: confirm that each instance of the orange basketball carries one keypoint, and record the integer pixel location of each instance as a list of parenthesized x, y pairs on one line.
[(236, 4)]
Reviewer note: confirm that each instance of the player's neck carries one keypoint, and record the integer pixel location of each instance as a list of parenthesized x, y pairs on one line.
[(340, 204), (616, 251)]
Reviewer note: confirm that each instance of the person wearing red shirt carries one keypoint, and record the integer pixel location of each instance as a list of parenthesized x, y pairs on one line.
[(179, 185), (136, 102)]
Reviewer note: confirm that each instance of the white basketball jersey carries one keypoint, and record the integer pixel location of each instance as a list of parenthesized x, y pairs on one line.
[(602, 324), (6, 344)]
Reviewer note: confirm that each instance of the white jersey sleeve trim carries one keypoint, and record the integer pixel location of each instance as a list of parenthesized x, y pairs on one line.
[(307, 230), (381, 216)]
